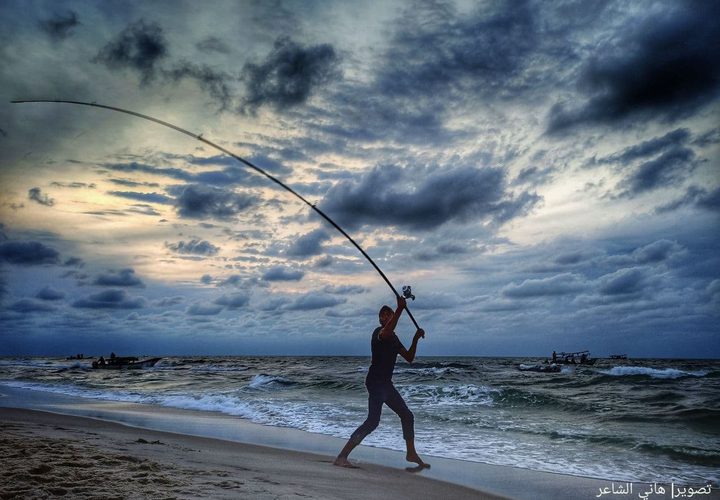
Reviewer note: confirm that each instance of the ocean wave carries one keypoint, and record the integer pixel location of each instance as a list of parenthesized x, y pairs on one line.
[(661, 373), (450, 395), (269, 382)]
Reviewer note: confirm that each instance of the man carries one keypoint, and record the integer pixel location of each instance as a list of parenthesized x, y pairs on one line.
[(385, 347)]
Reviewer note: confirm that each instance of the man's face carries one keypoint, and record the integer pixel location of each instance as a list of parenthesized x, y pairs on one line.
[(385, 316)]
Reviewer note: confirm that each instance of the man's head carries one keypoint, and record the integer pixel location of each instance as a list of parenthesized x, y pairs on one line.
[(385, 314)]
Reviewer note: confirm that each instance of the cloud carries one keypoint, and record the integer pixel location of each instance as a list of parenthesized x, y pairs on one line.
[(48, 293), (124, 277), (671, 140), (666, 66), (213, 44), (436, 50), (140, 47), (110, 299), (29, 253), (280, 273), (233, 300), (562, 284), (345, 289), (60, 26), (657, 251), (312, 301), (627, 281), (215, 83), (458, 194), (196, 201), (308, 245), (203, 310), (30, 305), (668, 169), (697, 197), (146, 197), (289, 75), (195, 247), (36, 195), (534, 176)]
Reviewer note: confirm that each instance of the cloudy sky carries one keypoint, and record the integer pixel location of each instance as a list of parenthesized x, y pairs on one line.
[(544, 174)]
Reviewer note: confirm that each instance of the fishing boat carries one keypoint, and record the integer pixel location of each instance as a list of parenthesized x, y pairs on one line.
[(573, 358), (123, 363)]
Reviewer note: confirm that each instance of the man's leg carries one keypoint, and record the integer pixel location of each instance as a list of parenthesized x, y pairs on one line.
[(397, 404), (375, 402)]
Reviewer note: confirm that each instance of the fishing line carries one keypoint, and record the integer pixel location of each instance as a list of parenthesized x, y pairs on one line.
[(407, 293)]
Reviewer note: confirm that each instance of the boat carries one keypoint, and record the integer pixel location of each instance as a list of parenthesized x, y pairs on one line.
[(618, 356), (573, 358), (540, 367), (124, 363)]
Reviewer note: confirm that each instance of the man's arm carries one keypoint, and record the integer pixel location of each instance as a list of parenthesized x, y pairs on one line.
[(409, 355), (389, 328)]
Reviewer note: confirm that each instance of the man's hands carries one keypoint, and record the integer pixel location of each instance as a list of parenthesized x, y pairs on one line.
[(419, 334)]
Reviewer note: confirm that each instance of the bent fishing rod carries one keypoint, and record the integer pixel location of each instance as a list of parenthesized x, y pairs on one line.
[(407, 291)]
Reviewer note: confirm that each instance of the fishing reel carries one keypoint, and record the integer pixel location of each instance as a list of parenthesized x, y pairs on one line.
[(407, 292)]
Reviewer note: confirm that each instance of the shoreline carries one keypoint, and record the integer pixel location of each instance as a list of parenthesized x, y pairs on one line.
[(482, 480)]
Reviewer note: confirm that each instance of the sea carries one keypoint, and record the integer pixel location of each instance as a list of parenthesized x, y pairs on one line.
[(644, 420)]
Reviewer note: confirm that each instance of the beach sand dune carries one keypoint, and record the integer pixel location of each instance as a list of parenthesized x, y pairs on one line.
[(49, 455)]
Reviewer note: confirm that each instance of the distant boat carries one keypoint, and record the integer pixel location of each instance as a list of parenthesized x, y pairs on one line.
[(124, 363), (618, 356), (573, 358)]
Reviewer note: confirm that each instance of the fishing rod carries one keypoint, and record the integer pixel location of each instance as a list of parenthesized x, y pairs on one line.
[(407, 290)]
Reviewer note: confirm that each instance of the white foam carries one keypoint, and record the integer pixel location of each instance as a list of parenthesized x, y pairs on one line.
[(664, 373)]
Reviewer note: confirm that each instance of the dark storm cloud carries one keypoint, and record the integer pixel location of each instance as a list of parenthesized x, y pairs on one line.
[(627, 281), (459, 194), (146, 197), (667, 66), (669, 168), (30, 306), (436, 50), (140, 47), (280, 273), (213, 44), (562, 284), (49, 293), (215, 83), (671, 140), (35, 194), (196, 201), (697, 197), (28, 253), (308, 245), (290, 74), (74, 262), (60, 26), (110, 299), (195, 247), (657, 251), (312, 301), (233, 300), (123, 277)]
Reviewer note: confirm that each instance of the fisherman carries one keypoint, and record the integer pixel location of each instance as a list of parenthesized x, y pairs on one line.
[(385, 347)]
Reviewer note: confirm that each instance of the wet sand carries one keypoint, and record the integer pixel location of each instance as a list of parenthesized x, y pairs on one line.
[(50, 455)]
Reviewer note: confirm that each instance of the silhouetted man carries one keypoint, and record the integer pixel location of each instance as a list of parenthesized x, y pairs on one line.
[(385, 348)]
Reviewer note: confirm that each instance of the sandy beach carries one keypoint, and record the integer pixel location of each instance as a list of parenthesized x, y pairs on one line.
[(51, 455)]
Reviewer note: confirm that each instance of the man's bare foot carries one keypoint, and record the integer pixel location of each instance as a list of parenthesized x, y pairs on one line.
[(414, 457), (344, 462)]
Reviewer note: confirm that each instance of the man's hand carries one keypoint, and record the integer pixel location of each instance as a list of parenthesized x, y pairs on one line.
[(420, 334), (401, 302)]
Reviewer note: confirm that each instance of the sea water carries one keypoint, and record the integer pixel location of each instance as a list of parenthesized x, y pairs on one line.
[(625, 420)]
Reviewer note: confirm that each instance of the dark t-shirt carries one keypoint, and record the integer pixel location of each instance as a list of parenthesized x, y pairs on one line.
[(384, 355)]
